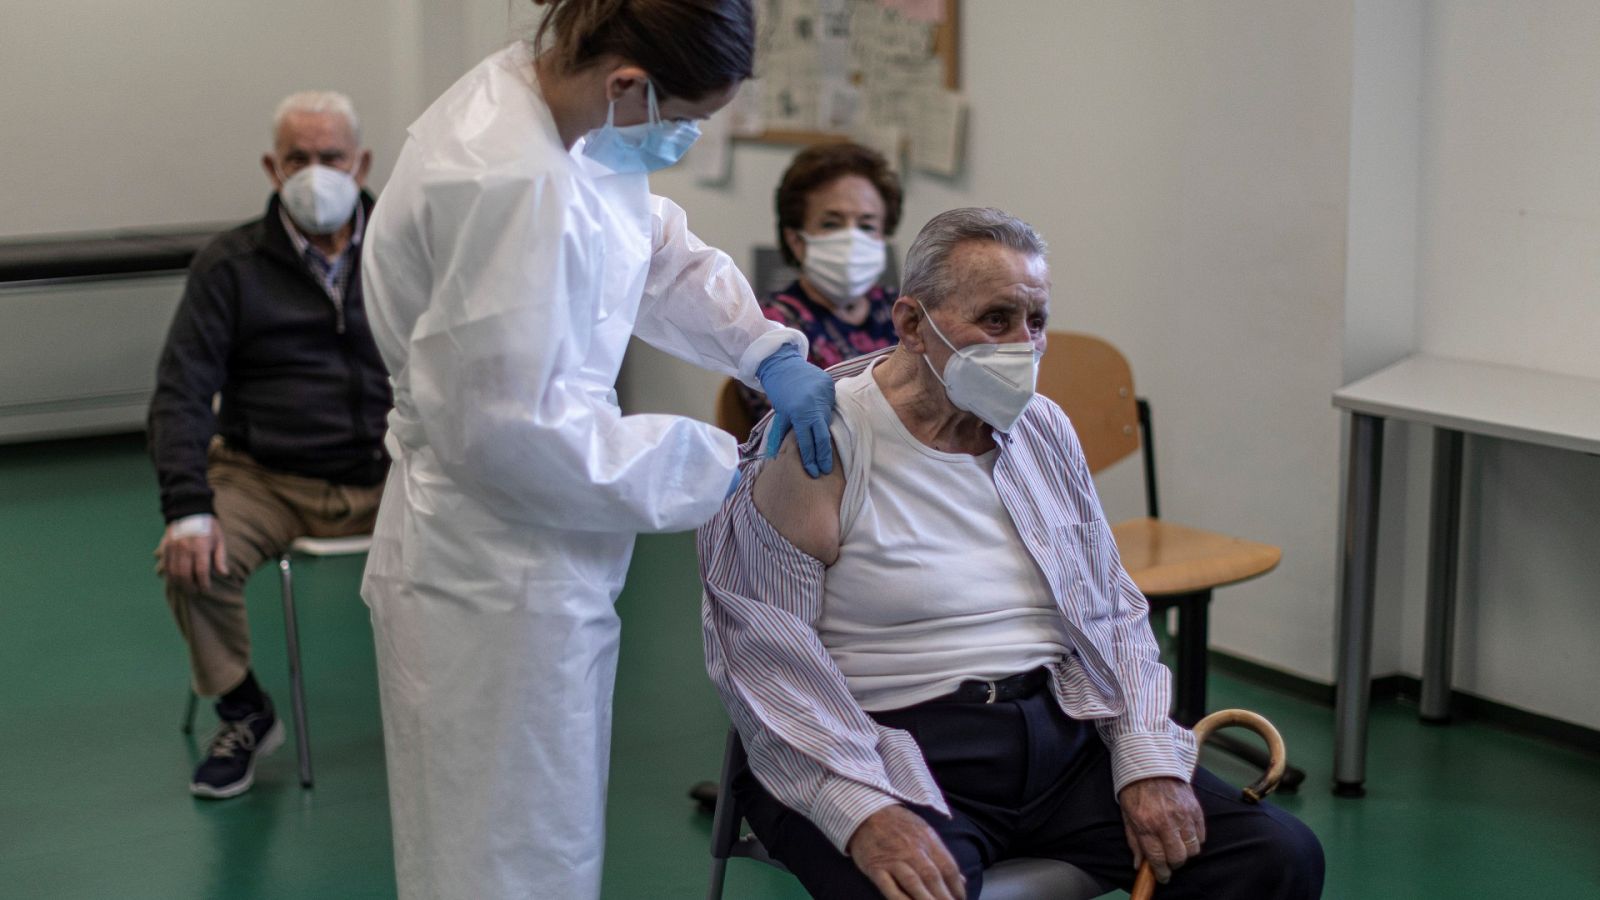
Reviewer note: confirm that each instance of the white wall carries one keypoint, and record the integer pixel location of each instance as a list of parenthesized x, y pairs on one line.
[(1188, 164), (1385, 168), (1475, 233), (1509, 271), (128, 115), (1380, 309), (1510, 252)]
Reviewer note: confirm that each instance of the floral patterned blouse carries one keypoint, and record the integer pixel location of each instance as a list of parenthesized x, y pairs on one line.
[(833, 340)]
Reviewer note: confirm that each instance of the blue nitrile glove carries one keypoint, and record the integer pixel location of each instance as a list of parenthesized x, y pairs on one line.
[(802, 398), (732, 485), (775, 433)]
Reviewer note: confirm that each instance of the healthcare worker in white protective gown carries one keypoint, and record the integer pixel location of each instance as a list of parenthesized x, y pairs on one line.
[(514, 251)]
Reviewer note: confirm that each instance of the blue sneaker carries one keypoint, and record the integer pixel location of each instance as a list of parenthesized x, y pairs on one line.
[(230, 764)]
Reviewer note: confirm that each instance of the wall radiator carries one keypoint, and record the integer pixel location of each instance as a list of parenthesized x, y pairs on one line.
[(82, 322)]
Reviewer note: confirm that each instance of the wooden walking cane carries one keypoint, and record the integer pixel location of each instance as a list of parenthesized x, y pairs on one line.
[(1144, 885)]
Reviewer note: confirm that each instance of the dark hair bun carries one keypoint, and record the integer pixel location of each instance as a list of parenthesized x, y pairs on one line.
[(690, 48)]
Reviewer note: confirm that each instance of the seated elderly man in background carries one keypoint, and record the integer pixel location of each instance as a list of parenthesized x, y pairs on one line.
[(272, 320), (933, 655)]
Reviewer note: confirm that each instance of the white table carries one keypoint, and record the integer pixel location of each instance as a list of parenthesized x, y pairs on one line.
[(1456, 398)]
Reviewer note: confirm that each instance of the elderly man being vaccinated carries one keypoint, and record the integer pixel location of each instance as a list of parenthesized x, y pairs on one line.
[(933, 655)]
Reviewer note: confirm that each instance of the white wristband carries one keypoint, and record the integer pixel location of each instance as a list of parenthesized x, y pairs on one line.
[(192, 526)]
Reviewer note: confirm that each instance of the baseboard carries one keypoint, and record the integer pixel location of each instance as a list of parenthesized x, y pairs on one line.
[(1408, 689), (34, 448), (1277, 679)]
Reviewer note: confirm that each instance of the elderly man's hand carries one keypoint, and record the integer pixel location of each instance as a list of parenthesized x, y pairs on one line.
[(189, 550), (905, 858), (1163, 822)]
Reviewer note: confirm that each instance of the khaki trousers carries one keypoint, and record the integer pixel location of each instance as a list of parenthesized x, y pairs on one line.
[(261, 512)]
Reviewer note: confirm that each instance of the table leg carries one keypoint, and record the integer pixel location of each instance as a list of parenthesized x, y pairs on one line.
[(1444, 539), (1354, 648)]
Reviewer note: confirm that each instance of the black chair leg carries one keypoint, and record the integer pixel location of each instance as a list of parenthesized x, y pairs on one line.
[(704, 795), (1193, 641), (725, 818), (297, 689), (187, 725), (1193, 638), (719, 874)]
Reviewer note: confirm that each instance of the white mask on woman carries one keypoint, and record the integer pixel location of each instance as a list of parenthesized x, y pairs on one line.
[(992, 381), (320, 199), (843, 264)]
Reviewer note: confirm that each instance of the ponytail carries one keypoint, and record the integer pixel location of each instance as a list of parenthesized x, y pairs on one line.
[(690, 47)]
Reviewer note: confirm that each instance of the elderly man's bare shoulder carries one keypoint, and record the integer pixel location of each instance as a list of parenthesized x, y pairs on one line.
[(803, 509)]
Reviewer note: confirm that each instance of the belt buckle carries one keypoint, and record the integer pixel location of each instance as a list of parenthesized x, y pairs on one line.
[(994, 691)]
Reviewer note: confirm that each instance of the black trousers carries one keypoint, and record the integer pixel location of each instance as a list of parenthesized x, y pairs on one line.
[(1023, 779)]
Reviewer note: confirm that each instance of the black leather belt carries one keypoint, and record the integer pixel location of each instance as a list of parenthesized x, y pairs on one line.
[(1015, 687)]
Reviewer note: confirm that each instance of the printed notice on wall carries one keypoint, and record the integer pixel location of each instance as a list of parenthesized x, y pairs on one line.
[(938, 131), (869, 69)]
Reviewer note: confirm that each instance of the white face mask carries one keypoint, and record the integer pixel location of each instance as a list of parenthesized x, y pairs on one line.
[(319, 199), (992, 381), (843, 264)]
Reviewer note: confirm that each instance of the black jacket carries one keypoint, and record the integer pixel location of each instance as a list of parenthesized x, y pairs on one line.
[(303, 388)]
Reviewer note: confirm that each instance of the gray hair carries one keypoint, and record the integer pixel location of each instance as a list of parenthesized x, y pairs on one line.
[(317, 102), (928, 277)]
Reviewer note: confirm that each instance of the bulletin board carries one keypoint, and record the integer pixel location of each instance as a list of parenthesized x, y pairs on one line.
[(882, 72)]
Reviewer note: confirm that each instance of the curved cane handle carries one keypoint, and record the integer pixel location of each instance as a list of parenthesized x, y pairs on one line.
[(1277, 756), (1144, 885)]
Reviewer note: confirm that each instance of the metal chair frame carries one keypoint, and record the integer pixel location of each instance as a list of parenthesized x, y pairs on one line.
[(726, 841), (306, 547)]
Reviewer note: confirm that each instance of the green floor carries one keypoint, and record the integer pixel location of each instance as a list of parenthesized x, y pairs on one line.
[(93, 769)]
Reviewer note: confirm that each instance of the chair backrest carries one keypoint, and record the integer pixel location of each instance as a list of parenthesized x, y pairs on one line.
[(1084, 375), (732, 416), (1092, 381)]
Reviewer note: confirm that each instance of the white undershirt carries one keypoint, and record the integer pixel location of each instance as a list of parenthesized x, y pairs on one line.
[(933, 585)]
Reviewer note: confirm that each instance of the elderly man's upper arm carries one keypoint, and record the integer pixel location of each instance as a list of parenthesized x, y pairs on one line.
[(803, 509)]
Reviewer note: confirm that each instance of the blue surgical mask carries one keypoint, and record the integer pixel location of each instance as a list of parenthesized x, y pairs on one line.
[(645, 147)]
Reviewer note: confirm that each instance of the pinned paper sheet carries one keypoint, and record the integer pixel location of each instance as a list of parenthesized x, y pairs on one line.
[(744, 113), (888, 140), (711, 157), (839, 107), (930, 11), (937, 131), (877, 70)]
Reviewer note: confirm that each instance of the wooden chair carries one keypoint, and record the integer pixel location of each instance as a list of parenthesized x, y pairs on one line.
[(1175, 566), (732, 417)]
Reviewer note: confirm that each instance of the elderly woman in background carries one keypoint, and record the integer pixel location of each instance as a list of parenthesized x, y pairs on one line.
[(837, 204)]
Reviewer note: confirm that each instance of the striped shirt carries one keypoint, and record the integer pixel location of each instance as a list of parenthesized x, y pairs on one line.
[(333, 274), (810, 743)]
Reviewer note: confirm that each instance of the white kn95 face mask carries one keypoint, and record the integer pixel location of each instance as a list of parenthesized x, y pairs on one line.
[(320, 199), (992, 381)]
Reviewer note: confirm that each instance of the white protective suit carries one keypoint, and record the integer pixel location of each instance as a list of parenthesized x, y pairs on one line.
[(503, 278)]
